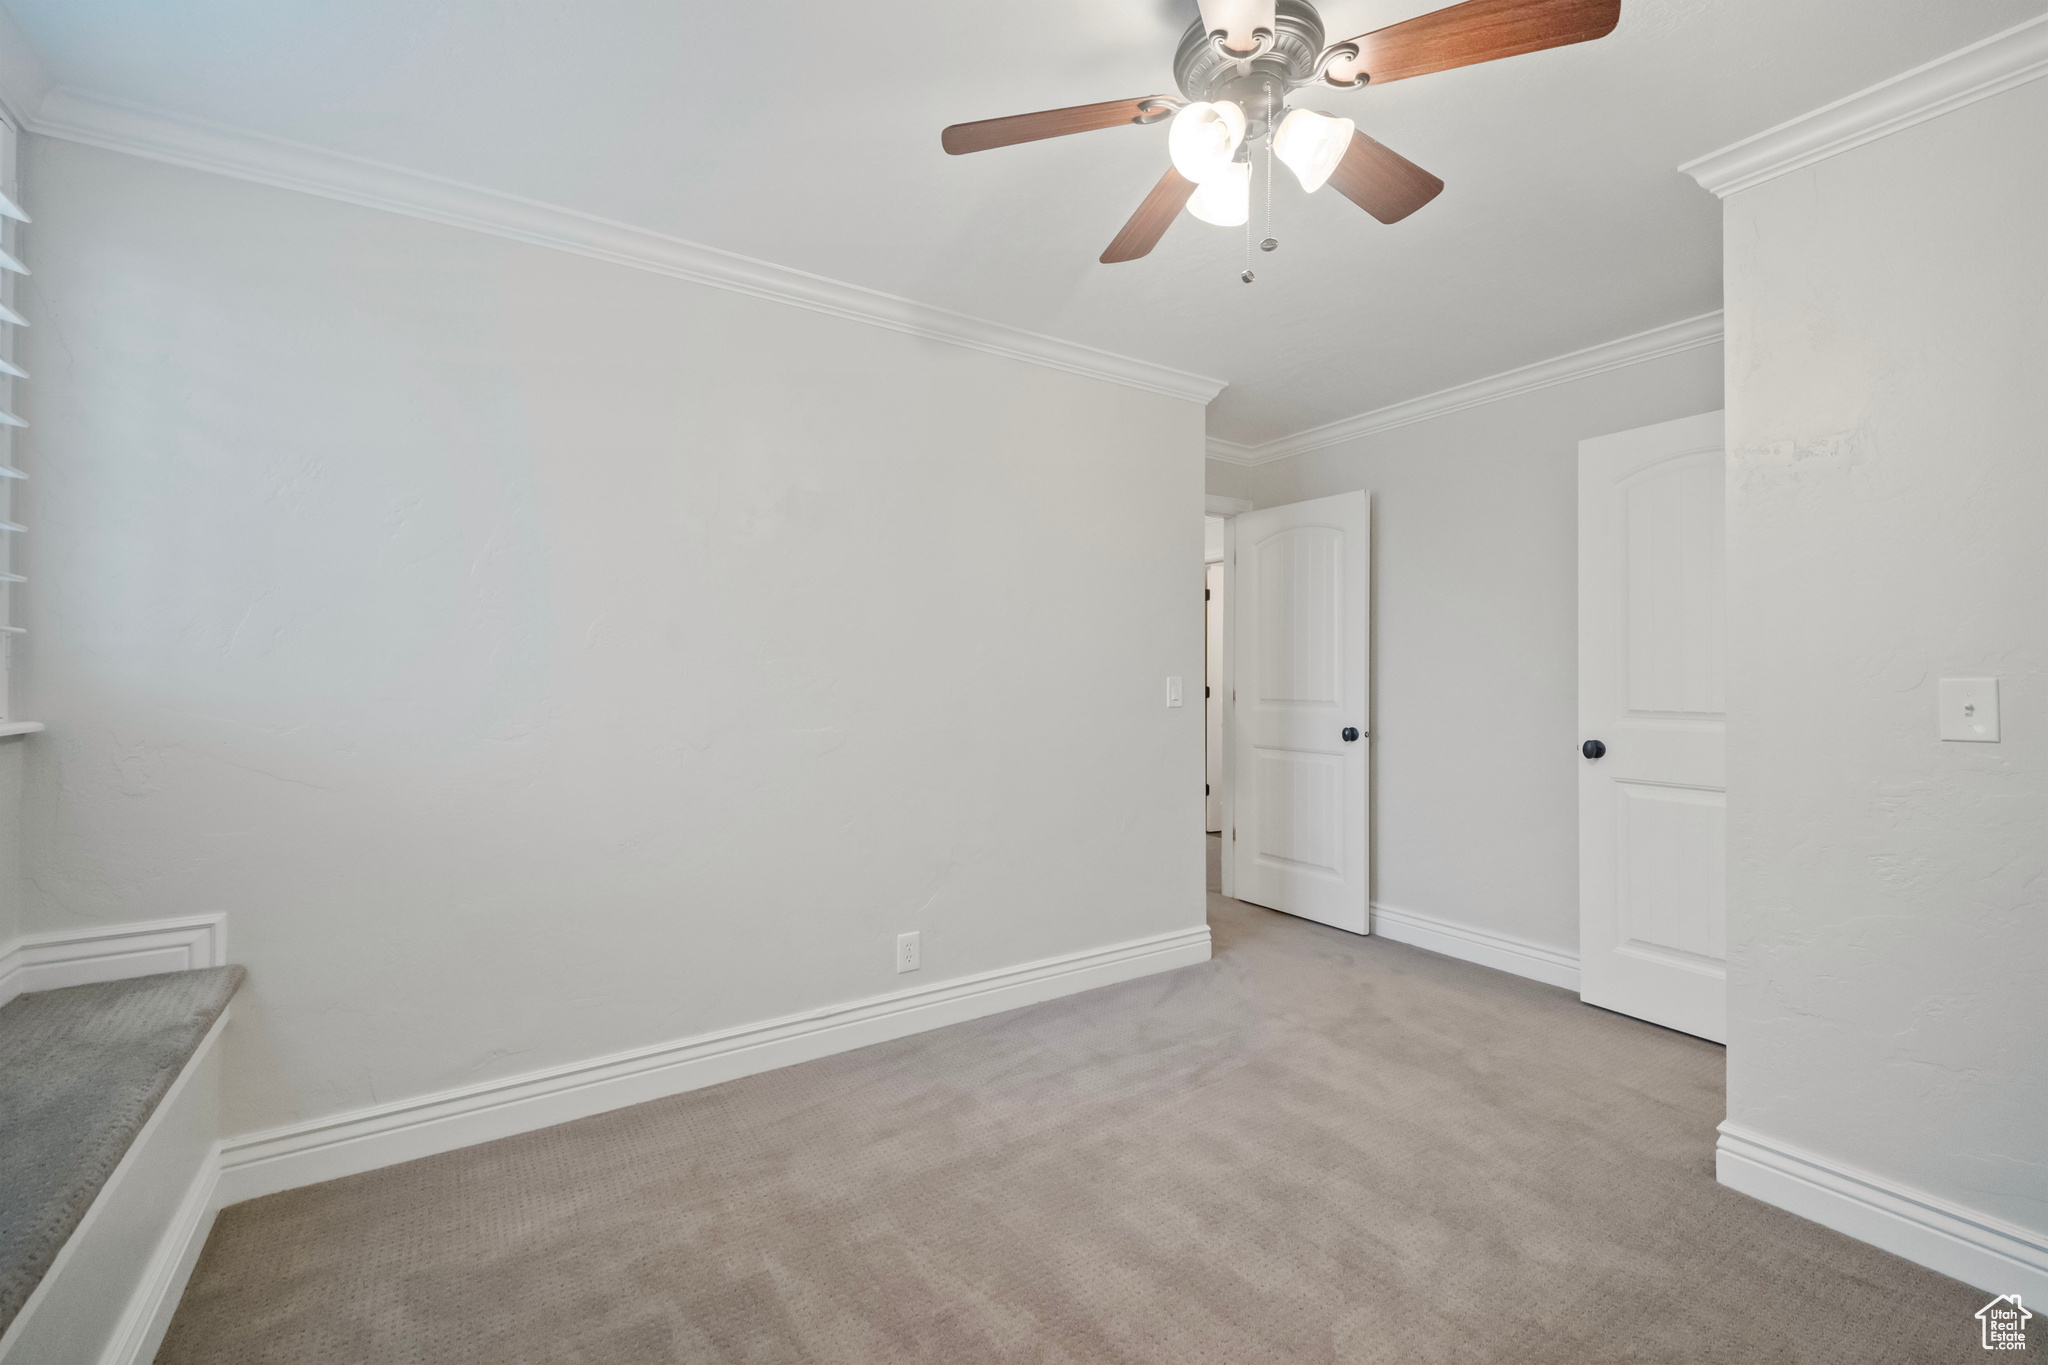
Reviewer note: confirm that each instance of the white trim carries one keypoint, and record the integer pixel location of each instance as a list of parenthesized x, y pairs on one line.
[(1229, 682), (118, 126), (112, 952), (1979, 71), (20, 727), (1975, 1248), (85, 1283), (1502, 952), (1658, 342), (155, 1300), (345, 1144), (1216, 505), (24, 84)]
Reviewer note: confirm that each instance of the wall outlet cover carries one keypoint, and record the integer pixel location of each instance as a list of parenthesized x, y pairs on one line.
[(907, 953)]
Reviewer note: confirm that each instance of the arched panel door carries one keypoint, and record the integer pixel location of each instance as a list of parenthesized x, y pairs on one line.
[(1653, 799), (1299, 837)]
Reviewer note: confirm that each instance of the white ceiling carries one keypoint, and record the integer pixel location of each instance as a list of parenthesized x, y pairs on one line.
[(806, 133)]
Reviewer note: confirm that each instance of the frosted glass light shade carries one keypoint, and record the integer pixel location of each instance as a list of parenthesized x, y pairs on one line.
[(1311, 145), (1225, 199), (1203, 138)]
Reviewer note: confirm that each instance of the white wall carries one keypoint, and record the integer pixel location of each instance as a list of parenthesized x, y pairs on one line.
[(11, 921), (12, 397), (537, 658), (1888, 525), (1475, 637)]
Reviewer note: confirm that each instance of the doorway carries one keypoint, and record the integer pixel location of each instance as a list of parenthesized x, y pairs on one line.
[(1214, 538), (1212, 674), (1287, 598), (1297, 820)]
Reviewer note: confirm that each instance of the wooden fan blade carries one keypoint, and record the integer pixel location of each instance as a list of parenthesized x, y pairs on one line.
[(1381, 181), (962, 138), (1476, 31), (1152, 219)]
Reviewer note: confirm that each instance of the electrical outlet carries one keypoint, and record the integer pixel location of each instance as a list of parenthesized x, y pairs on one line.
[(906, 952)]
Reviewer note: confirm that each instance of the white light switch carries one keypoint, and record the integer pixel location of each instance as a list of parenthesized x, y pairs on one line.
[(1969, 709), (1173, 692)]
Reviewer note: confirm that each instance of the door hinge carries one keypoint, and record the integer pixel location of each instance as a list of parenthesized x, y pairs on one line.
[(1205, 594), (1205, 789), (1205, 694), (1233, 834)]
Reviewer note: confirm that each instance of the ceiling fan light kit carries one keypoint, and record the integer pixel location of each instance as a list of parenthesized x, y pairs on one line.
[(1203, 139), (1225, 199), (1311, 145), (1236, 66)]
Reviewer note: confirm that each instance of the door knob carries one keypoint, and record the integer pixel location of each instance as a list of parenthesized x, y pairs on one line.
[(1593, 748), (1350, 733)]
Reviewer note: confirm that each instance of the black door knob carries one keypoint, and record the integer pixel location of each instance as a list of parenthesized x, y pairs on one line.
[(1350, 733), (1593, 748)]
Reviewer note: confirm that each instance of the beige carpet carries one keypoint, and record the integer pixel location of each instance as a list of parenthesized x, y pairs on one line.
[(1315, 1148)]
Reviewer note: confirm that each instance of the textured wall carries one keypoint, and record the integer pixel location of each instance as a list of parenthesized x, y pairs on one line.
[(1888, 526), (1475, 638), (537, 658)]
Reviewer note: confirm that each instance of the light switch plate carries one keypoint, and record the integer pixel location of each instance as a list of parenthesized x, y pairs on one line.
[(1969, 709), (1173, 696)]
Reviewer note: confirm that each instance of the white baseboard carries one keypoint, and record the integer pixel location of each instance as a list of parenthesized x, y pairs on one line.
[(346, 1144), (155, 1301), (1502, 952), (1975, 1248), (109, 1294), (111, 952)]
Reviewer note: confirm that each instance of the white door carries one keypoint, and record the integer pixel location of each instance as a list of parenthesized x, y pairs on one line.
[(1298, 605), (1653, 807), (1212, 694)]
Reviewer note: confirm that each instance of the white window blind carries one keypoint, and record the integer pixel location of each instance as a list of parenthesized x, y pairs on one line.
[(12, 271)]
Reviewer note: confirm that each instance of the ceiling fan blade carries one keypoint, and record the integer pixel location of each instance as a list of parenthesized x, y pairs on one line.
[(1381, 181), (1238, 20), (962, 138), (1152, 219), (1476, 31)]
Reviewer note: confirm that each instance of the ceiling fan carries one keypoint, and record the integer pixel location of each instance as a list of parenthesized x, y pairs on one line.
[(1236, 66)]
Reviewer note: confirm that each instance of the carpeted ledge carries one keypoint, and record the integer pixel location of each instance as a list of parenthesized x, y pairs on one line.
[(81, 1070)]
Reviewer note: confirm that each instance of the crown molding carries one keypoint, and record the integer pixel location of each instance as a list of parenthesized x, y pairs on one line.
[(117, 126), (1979, 71), (1692, 333), (24, 85)]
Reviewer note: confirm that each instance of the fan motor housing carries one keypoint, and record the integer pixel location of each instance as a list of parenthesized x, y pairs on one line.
[(1203, 73)]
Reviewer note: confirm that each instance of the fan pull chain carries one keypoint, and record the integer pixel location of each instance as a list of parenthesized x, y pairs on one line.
[(1247, 277), (1271, 242)]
